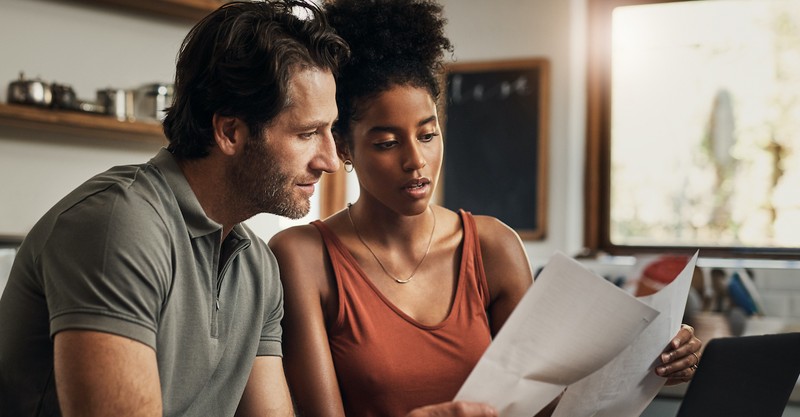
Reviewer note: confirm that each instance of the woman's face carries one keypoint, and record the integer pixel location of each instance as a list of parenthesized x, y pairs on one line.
[(397, 149)]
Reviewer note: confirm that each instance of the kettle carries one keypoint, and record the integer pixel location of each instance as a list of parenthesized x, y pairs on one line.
[(34, 92)]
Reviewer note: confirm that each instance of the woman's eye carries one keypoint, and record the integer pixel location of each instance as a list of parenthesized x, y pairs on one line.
[(427, 137), (386, 145)]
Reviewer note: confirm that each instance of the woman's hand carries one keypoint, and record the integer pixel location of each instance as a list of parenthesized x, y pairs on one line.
[(454, 409), (679, 360)]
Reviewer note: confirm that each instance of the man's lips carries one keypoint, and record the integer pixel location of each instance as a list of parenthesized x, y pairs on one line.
[(308, 186)]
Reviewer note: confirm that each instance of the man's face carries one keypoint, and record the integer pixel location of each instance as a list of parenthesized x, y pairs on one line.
[(279, 167)]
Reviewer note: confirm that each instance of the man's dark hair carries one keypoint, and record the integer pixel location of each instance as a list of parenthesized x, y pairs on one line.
[(238, 61), (392, 42)]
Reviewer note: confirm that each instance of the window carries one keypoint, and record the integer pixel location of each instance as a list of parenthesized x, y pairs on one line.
[(694, 126)]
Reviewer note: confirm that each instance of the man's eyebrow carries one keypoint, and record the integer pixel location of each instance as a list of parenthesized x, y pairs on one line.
[(312, 124)]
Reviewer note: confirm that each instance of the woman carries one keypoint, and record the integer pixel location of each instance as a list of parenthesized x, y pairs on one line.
[(391, 302)]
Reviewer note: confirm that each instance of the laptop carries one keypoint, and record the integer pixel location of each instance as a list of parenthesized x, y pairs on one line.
[(747, 376)]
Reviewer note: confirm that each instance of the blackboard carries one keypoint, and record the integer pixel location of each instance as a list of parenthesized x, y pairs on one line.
[(495, 162)]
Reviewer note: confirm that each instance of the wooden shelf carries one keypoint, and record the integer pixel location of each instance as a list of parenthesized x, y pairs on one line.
[(84, 124), (192, 10), (10, 241)]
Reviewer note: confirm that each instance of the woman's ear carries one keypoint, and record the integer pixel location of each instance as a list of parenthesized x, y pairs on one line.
[(342, 149), (230, 133)]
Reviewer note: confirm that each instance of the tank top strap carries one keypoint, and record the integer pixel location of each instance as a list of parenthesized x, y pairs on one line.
[(328, 237), (472, 247), (324, 231), (340, 263)]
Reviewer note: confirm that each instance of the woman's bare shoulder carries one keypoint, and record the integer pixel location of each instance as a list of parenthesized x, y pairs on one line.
[(296, 237), (299, 250), (492, 230), (504, 255)]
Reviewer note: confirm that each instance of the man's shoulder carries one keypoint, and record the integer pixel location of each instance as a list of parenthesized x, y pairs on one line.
[(130, 193), (134, 183), (123, 198)]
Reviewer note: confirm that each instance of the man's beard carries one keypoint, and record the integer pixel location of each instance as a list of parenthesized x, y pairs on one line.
[(260, 186)]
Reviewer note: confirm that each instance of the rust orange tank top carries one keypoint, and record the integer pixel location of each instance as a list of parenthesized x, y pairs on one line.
[(386, 362)]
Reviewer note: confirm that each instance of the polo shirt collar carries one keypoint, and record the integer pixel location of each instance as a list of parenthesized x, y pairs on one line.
[(193, 214)]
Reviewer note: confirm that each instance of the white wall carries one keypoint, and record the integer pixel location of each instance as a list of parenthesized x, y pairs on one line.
[(553, 29), (92, 47)]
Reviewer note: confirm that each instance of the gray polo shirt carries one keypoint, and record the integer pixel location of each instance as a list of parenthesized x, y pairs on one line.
[(131, 252)]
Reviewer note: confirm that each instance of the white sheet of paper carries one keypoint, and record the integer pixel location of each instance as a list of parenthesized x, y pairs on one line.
[(627, 384), (568, 324)]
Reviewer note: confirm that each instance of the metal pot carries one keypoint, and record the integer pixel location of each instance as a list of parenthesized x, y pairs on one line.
[(151, 100), (34, 92), (64, 97), (117, 103)]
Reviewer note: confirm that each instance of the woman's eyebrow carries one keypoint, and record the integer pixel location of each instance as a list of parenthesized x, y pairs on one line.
[(392, 129)]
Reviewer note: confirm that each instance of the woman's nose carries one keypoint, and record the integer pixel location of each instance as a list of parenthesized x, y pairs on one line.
[(414, 158)]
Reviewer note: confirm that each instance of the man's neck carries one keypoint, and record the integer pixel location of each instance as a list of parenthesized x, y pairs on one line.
[(206, 177)]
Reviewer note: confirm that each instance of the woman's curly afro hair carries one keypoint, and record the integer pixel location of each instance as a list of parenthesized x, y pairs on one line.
[(392, 42)]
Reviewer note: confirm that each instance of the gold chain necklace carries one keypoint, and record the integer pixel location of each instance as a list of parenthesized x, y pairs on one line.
[(397, 280)]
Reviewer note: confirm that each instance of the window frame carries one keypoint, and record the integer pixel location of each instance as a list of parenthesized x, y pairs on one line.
[(597, 174)]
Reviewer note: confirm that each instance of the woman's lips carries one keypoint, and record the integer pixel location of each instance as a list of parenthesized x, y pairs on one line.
[(418, 187)]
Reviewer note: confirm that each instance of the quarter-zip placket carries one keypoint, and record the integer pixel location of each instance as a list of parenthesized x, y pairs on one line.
[(241, 245)]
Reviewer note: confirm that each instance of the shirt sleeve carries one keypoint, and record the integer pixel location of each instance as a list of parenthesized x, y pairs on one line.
[(106, 266), (271, 331)]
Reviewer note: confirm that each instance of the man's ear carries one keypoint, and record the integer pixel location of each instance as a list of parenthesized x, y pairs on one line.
[(230, 133)]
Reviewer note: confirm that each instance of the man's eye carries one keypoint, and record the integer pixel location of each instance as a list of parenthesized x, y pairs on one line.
[(308, 135)]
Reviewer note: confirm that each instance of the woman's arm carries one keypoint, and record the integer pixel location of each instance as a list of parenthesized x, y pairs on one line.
[(308, 286), (508, 272), (508, 275)]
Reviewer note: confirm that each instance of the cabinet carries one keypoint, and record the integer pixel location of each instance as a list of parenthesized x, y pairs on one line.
[(84, 124)]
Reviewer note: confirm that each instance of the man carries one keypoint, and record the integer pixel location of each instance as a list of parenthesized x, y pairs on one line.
[(141, 293)]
